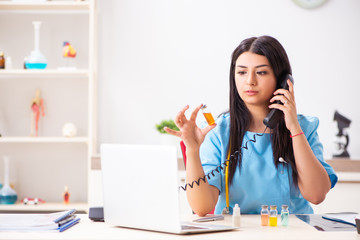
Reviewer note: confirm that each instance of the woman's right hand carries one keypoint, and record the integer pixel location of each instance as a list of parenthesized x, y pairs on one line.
[(189, 132)]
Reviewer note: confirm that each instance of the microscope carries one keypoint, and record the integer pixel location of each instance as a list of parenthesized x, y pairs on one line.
[(342, 138)]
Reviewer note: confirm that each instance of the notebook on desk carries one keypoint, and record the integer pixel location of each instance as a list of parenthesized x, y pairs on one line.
[(140, 189)]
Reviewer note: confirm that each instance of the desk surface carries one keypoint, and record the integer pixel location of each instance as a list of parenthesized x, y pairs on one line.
[(250, 229)]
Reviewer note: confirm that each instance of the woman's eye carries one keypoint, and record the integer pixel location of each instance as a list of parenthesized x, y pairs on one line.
[(241, 72), (261, 72)]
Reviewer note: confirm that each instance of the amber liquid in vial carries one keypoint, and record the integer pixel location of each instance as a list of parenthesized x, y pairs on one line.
[(207, 114), (209, 118), (66, 196)]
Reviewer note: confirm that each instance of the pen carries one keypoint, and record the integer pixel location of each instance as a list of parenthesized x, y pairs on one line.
[(209, 218)]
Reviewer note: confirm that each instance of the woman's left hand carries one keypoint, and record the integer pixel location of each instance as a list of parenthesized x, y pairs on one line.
[(287, 97)]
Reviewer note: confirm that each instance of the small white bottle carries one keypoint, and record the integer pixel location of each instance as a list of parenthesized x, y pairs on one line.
[(8, 63), (236, 216)]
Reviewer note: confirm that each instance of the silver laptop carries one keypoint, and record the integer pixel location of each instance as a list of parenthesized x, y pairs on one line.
[(140, 189)]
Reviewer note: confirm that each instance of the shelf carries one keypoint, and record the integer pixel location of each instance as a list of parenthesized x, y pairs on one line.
[(43, 140), (43, 207), (347, 170), (96, 163), (36, 73), (344, 164), (53, 5)]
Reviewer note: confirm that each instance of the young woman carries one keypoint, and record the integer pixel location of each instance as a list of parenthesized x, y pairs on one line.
[(284, 166)]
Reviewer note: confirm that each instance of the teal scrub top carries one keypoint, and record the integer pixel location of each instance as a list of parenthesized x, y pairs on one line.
[(259, 182)]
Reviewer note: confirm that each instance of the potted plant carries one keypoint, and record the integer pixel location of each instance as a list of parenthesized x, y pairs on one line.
[(168, 139), (166, 123)]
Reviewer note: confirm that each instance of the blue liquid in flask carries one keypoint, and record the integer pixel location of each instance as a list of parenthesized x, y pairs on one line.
[(7, 194), (35, 65), (8, 199)]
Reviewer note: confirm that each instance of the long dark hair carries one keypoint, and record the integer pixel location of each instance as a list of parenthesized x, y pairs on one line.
[(240, 117)]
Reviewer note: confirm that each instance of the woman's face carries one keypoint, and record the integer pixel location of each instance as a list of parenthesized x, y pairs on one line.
[(254, 78)]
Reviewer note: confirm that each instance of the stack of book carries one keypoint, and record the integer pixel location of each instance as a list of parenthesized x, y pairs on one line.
[(58, 221)]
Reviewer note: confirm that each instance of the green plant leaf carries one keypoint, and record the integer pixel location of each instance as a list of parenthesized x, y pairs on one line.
[(166, 123)]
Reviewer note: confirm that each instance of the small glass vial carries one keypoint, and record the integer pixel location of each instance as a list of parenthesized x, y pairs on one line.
[(207, 114), (8, 63), (264, 215), (284, 215), (2, 60), (66, 195), (273, 216)]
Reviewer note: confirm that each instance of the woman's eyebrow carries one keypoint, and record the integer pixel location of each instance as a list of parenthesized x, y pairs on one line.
[(263, 65), (259, 66), (241, 66)]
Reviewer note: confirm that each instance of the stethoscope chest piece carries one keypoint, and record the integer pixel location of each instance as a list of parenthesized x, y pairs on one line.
[(227, 211)]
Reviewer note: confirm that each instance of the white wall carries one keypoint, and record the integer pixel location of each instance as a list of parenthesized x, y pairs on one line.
[(157, 56)]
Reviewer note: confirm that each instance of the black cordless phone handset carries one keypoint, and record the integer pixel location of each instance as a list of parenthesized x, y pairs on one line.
[(275, 115)]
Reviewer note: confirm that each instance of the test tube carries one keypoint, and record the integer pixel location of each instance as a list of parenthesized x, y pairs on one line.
[(207, 114)]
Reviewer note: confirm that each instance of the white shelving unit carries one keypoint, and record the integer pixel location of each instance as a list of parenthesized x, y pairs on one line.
[(45, 73), (46, 6), (44, 140), (45, 207), (50, 156)]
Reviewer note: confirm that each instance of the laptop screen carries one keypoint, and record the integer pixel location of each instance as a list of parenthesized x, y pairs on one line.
[(140, 186)]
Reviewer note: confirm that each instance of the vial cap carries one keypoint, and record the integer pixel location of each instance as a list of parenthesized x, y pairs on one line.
[(236, 210), (273, 207), (264, 206)]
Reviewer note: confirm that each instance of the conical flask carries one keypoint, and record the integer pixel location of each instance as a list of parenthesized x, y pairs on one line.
[(36, 60), (7, 194)]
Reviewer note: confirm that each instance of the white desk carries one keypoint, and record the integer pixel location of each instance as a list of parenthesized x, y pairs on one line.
[(250, 229)]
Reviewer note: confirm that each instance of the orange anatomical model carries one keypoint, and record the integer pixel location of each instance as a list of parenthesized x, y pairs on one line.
[(37, 106)]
